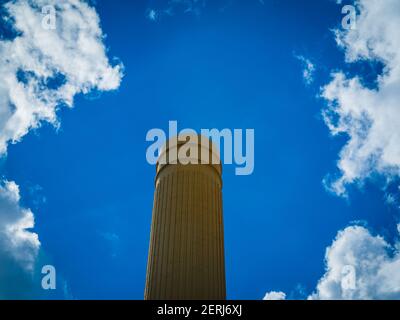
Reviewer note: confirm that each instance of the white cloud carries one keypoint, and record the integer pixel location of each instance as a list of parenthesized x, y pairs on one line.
[(375, 262), (41, 69), (369, 117), (152, 15), (308, 69), (15, 221), (275, 295), (73, 52), (19, 246)]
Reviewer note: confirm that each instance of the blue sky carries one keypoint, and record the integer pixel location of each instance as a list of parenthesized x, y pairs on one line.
[(227, 64)]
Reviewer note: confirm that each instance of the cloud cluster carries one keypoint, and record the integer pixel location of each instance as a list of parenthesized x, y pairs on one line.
[(374, 262), (359, 266), (42, 67), (370, 117)]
